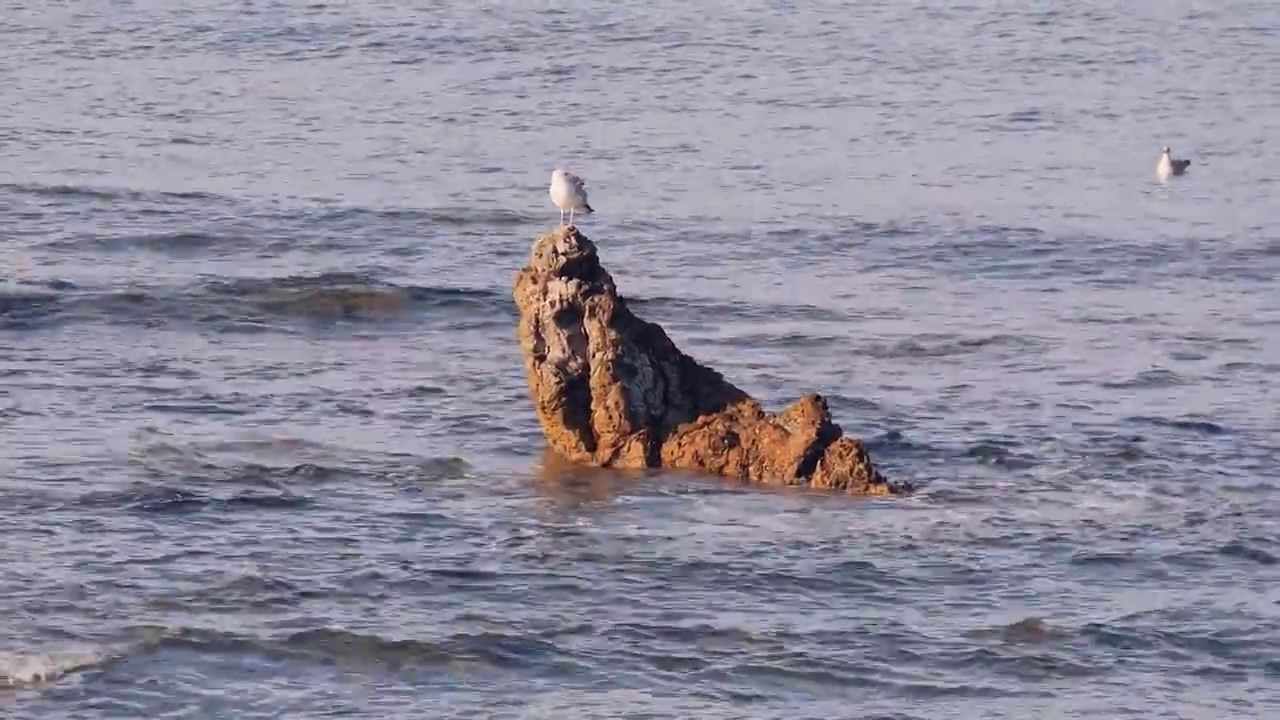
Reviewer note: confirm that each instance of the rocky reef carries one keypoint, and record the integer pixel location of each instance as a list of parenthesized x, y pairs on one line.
[(612, 390)]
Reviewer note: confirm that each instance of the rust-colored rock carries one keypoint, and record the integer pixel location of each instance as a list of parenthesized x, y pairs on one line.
[(612, 390)]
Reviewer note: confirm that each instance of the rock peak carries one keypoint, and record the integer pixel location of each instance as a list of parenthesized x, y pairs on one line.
[(565, 252), (612, 390)]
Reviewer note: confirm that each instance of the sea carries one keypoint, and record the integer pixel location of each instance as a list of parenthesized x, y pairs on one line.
[(267, 445)]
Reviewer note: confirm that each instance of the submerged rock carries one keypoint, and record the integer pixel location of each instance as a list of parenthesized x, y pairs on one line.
[(612, 390)]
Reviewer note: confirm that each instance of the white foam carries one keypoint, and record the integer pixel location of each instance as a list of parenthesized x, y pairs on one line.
[(22, 669)]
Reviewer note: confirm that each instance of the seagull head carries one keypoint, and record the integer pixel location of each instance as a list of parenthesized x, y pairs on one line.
[(1164, 150)]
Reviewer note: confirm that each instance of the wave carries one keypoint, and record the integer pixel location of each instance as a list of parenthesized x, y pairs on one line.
[(167, 499), (664, 307), (91, 192), (251, 304), (328, 646), (235, 477), (933, 345), (19, 670), (181, 242), (718, 659), (1146, 379), (325, 210), (363, 651), (249, 592), (1202, 427), (360, 217), (1249, 551), (318, 210)]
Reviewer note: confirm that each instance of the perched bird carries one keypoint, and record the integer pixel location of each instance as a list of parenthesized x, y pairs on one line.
[(569, 192), (1168, 166)]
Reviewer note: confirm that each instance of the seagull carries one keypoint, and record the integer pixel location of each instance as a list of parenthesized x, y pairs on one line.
[(569, 192), (1168, 166)]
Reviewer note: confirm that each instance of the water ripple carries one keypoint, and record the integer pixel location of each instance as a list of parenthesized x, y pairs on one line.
[(268, 441)]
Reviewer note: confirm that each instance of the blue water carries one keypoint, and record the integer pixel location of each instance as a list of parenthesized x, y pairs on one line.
[(269, 452)]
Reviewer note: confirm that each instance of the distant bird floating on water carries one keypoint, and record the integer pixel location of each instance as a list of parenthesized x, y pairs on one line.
[(1168, 166), (569, 192)]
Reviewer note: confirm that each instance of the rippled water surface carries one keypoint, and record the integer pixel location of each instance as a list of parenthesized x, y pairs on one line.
[(267, 445)]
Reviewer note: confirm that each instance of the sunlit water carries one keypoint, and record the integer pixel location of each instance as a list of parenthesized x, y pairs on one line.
[(267, 445)]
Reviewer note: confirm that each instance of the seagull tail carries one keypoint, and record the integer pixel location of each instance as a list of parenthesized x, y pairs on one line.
[(587, 208)]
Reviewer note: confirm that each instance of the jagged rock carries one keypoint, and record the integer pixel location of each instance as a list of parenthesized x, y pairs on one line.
[(612, 390)]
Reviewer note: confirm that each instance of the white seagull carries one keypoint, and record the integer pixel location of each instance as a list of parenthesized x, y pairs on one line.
[(1167, 166), (569, 192)]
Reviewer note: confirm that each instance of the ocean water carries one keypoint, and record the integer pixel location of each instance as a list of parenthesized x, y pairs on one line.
[(268, 451)]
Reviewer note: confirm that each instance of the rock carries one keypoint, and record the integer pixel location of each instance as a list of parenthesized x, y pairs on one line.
[(612, 390)]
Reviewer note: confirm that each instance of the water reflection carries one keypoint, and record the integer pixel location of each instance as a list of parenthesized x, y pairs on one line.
[(570, 486)]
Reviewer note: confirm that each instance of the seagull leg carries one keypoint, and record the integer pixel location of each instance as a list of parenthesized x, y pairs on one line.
[(570, 217), (561, 216)]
